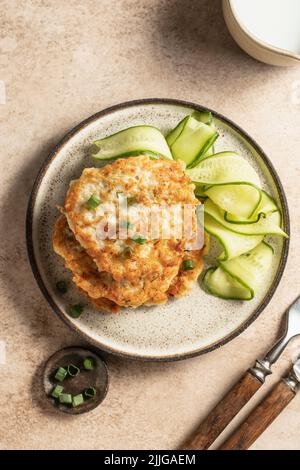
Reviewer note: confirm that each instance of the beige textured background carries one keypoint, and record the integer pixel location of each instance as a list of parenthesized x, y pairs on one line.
[(61, 61)]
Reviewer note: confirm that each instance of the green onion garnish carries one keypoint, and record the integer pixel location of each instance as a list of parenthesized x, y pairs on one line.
[(90, 392), (188, 264), (61, 286), (73, 371), (89, 363), (140, 240), (61, 374), (127, 252), (125, 224), (131, 200), (77, 400), (65, 398), (75, 310), (93, 202), (57, 391)]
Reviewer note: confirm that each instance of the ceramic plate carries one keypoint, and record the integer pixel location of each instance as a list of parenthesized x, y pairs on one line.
[(182, 328)]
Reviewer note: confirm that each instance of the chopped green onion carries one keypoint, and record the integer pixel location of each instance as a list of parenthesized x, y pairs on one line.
[(90, 392), (93, 202), (131, 200), (89, 363), (61, 286), (57, 390), (65, 398), (77, 400), (125, 224), (75, 310), (127, 252), (73, 371), (61, 374), (139, 240), (188, 264)]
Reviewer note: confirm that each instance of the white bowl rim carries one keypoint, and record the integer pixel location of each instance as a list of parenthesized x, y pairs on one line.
[(254, 38)]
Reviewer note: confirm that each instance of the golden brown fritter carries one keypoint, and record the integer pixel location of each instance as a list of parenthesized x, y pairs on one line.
[(184, 280), (98, 284), (105, 293), (148, 181), (122, 272)]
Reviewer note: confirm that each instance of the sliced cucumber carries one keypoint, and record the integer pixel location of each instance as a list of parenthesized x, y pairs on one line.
[(268, 225), (252, 268), (203, 116), (225, 154), (233, 244), (135, 140), (240, 199), (173, 134), (221, 284), (209, 152), (227, 168), (266, 205), (207, 118), (193, 140)]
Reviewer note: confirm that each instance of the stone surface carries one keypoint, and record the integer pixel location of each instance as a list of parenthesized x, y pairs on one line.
[(59, 63)]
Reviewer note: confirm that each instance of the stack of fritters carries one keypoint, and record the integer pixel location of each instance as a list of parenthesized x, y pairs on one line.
[(133, 271)]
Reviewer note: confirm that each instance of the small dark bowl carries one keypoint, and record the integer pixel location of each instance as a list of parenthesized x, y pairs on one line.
[(97, 378)]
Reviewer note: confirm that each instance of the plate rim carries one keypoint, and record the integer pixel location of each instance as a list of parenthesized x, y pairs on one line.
[(30, 245)]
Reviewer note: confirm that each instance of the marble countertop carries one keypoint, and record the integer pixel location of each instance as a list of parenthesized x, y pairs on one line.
[(61, 61)]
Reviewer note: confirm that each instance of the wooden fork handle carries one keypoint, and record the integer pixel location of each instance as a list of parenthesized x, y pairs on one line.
[(260, 418), (223, 413)]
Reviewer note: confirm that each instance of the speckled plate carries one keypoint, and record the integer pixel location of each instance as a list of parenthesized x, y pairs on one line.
[(192, 325)]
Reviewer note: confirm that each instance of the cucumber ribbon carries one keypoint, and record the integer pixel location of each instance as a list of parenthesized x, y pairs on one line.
[(135, 140), (241, 277), (191, 139)]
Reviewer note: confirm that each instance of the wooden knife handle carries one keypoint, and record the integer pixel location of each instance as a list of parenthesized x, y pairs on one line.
[(260, 418), (223, 413)]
